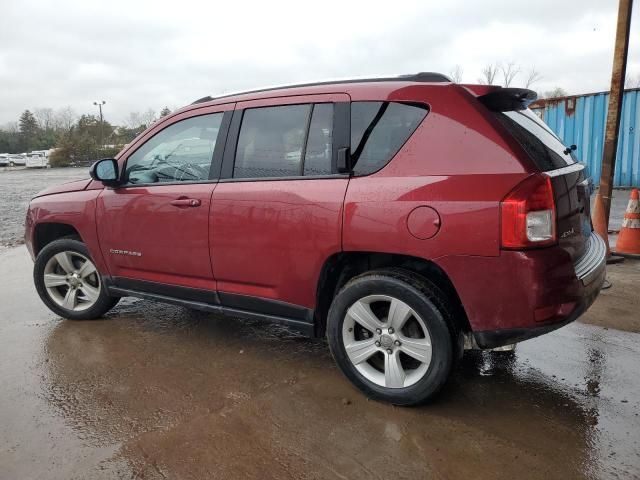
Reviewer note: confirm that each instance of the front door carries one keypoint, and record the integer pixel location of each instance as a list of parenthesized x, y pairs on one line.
[(154, 228)]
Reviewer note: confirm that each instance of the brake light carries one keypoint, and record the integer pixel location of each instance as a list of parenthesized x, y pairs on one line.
[(528, 214)]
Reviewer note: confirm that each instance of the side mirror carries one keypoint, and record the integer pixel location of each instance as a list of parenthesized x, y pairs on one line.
[(105, 171)]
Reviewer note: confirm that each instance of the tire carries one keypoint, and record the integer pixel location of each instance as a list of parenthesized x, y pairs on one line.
[(418, 302), (63, 279)]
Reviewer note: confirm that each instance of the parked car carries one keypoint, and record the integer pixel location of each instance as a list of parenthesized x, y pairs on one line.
[(11, 160), (403, 218), (17, 160), (37, 160)]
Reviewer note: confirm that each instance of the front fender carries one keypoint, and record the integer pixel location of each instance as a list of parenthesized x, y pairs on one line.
[(77, 209)]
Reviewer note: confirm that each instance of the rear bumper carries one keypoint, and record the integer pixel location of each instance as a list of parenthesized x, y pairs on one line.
[(508, 336), (522, 295)]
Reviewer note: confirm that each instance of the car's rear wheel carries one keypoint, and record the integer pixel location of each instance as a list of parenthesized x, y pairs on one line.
[(69, 283), (388, 332)]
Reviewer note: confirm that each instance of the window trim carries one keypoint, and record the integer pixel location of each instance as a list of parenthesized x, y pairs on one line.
[(341, 124), (303, 151), (216, 157)]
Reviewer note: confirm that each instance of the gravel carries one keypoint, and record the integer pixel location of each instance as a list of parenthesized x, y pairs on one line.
[(17, 187)]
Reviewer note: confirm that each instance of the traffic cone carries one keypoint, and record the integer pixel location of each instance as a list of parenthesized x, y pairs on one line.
[(599, 222), (628, 243)]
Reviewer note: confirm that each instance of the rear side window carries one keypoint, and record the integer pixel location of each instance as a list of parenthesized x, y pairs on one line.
[(285, 141), (541, 144), (271, 141), (378, 131)]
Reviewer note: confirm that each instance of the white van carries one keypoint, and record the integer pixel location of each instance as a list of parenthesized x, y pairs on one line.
[(38, 159)]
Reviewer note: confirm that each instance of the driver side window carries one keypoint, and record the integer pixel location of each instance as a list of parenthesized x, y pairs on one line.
[(182, 152)]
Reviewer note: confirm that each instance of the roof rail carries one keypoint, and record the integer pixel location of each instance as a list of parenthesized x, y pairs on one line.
[(425, 77)]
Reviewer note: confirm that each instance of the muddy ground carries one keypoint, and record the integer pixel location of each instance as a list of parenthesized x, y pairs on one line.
[(156, 391), (619, 306)]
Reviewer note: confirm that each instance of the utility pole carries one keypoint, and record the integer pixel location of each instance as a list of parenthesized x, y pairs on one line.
[(100, 104), (615, 104)]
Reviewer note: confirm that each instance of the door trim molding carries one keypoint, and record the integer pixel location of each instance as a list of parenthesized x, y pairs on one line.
[(294, 316)]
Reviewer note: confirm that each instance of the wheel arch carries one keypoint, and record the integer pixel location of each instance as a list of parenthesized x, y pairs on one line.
[(47, 232), (339, 268)]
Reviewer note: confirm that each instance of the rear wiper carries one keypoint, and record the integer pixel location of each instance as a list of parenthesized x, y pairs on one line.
[(570, 149)]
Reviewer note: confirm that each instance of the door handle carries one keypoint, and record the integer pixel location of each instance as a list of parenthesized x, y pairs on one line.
[(186, 202)]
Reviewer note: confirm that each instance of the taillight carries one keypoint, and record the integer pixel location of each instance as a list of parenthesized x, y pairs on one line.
[(528, 214)]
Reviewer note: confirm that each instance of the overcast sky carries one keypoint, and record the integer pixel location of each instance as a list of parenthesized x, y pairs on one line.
[(138, 54)]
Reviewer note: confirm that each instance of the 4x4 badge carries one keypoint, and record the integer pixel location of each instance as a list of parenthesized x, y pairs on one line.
[(568, 233)]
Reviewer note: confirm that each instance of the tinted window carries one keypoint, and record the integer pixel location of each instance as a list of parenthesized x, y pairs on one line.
[(271, 141), (545, 149), (182, 152), (317, 159), (378, 130)]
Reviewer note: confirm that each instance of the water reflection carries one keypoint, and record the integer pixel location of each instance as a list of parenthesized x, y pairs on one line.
[(243, 398)]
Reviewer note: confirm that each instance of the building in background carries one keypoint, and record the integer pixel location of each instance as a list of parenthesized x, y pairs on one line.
[(581, 119)]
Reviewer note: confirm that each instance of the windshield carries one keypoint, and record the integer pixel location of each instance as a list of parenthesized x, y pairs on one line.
[(543, 146)]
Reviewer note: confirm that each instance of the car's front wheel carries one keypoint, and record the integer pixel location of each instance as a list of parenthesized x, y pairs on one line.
[(389, 334), (69, 283)]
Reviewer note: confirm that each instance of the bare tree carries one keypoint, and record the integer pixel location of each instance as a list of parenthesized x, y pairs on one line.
[(456, 74), (133, 120), (64, 118), (137, 119), (489, 73), (555, 93), (44, 117), (509, 71), (533, 76), (148, 117), (11, 127)]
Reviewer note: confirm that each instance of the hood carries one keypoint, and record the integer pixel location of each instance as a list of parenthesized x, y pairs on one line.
[(65, 187)]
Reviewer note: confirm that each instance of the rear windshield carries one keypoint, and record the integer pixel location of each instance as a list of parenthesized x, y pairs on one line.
[(545, 149)]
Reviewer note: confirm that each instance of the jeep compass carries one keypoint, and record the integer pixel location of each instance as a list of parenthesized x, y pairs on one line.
[(403, 218)]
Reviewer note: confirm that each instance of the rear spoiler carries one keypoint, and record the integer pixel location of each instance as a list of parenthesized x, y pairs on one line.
[(508, 99)]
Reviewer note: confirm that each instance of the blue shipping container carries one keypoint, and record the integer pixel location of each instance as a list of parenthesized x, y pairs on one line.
[(581, 120)]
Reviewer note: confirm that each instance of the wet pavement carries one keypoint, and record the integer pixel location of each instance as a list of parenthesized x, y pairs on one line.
[(156, 391)]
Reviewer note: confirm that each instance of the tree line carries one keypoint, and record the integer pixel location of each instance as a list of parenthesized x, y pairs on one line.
[(505, 74), (75, 138)]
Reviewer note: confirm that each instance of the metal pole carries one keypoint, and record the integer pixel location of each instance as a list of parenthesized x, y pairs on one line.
[(100, 104), (615, 104), (101, 131)]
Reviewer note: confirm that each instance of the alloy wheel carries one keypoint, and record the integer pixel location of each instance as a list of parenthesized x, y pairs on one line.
[(386, 341), (72, 281)]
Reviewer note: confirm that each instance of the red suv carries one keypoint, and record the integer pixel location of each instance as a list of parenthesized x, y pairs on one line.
[(405, 218)]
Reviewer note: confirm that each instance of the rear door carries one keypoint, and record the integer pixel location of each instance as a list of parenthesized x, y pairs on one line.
[(571, 186), (277, 210)]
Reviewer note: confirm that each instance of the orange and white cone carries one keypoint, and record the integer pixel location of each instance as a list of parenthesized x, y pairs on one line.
[(628, 242)]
